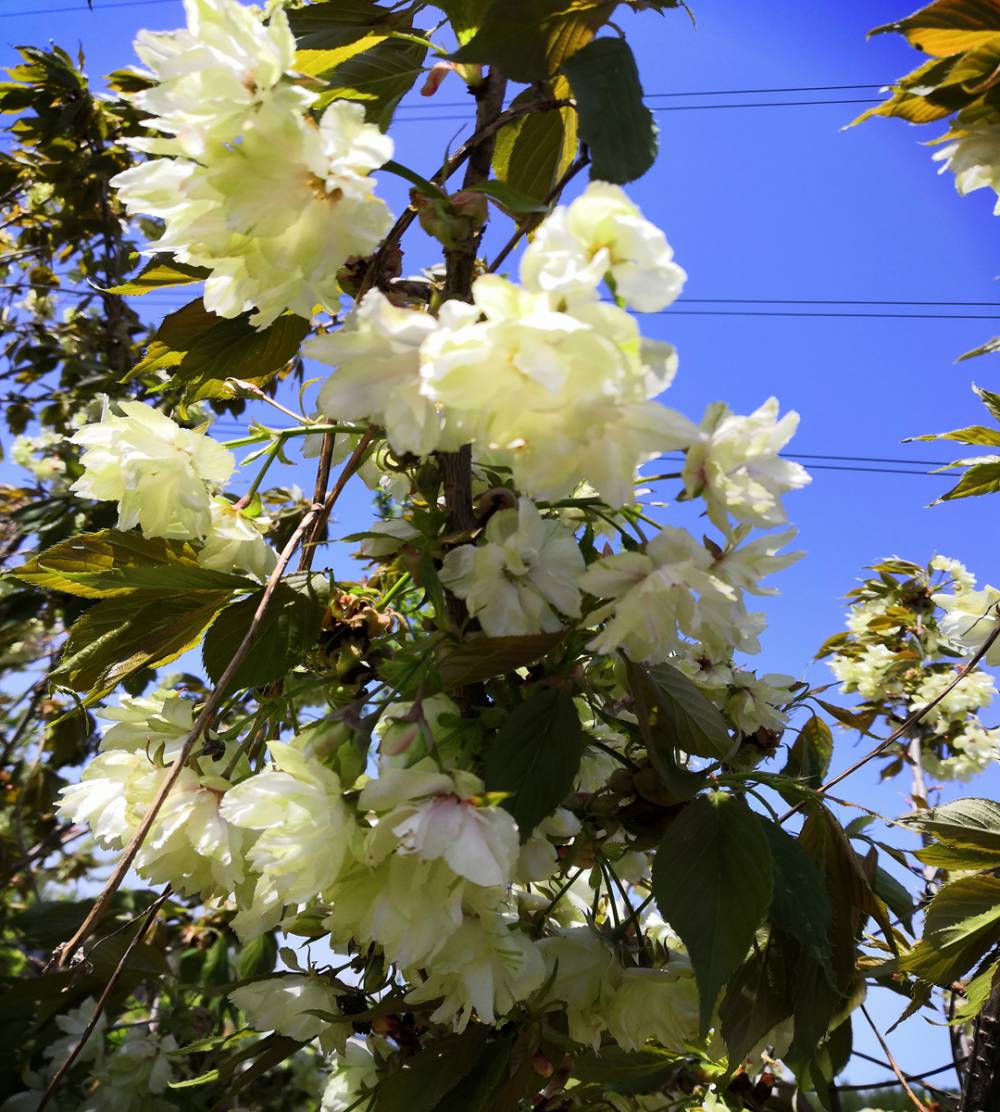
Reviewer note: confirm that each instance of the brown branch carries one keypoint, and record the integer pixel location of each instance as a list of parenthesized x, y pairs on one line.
[(102, 1000), (316, 513), (911, 720), (893, 1064)]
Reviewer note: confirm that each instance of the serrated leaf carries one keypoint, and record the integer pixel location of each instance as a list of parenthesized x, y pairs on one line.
[(759, 996), (529, 40), (289, 629), (989, 348), (894, 896), (981, 478), (958, 858), (111, 562), (161, 272), (968, 823), (483, 657), (809, 758), (615, 123), (713, 883), (378, 77), (535, 150), (465, 16), (119, 636), (861, 720), (627, 1071), (197, 346), (331, 23), (317, 63), (977, 992), (948, 26), (425, 1078), (536, 756), (800, 905), (961, 925), (989, 399), (681, 714), (973, 434)]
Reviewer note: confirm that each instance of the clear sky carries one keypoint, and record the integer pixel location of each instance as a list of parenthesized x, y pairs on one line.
[(771, 202)]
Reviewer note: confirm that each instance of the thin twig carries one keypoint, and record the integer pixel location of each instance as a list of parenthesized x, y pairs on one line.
[(531, 222), (911, 720), (316, 512), (893, 1064), (102, 1000)]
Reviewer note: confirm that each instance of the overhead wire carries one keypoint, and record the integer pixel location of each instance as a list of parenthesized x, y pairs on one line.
[(95, 9)]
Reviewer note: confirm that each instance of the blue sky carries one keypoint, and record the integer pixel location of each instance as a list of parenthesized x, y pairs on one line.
[(773, 202)]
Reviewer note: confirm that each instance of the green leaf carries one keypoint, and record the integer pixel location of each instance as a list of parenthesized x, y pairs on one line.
[(477, 1091), (962, 924), (110, 563), (989, 348), (683, 716), (256, 957), (758, 997), (529, 40), (119, 636), (958, 858), (989, 399), (977, 992), (483, 657), (424, 1078), (509, 198), (332, 23), (614, 121), (289, 629), (947, 26), (161, 272), (627, 1071), (981, 478), (966, 823), (713, 883), (465, 16), (378, 77), (809, 758), (800, 905), (974, 434), (894, 895), (861, 720), (536, 755), (659, 736), (198, 346), (535, 150), (428, 188), (317, 63)]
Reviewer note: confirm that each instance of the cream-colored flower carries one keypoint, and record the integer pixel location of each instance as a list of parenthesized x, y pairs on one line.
[(736, 467), (353, 1074), (969, 618), (160, 474), (377, 356), (212, 75), (304, 829), (283, 1004), (756, 702), (603, 234), (235, 543), (581, 967), (975, 692), (659, 596), (527, 570), (660, 1004), (158, 723), (974, 159)]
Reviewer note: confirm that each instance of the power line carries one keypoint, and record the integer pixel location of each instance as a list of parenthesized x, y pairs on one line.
[(673, 458), (693, 93), (88, 9), (673, 108)]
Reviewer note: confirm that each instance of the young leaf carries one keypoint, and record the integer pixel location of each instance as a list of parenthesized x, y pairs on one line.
[(199, 346), (989, 348), (509, 198), (713, 882), (378, 77), (290, 628), (967, 823), (809, 758), (119, 636), (982, 477), (800, 905), (947, 26), (161, 272), (332, 23), (110, 562), (614, 121), (962, 924), (536, 755), (535, 150)]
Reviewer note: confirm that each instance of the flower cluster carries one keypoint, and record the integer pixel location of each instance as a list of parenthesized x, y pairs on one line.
[(165, 479), (904, 635), (248, 184)]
